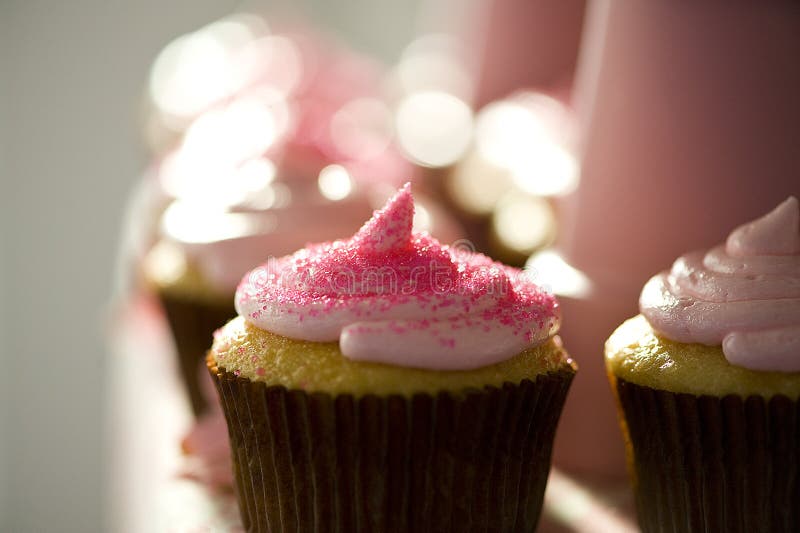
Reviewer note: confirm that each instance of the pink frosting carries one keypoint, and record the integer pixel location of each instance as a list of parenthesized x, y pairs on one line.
[(394, 296), (744, 295)]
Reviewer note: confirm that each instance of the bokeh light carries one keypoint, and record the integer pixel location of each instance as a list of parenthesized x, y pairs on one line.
[(528, 136), (476, 185), (562, 278), (335, 182), (523, 222), (432, 63), (245, 128), (168, 259), (198, 69), (434, 128), (192, 223)]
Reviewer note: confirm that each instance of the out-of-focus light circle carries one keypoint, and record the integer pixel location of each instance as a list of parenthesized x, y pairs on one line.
[(526, 136), (335, 182), (274, 61), (259, 201), (551, 171), (253, 181), (218, 146), (432, 63), (434, 128), (217, 184), (362, 129), (251, 126), (188, 178), (220, 159), (476, 185), (166, 261), (549, 269), (432, 72), (501, 129), (188, 61), (197, 69), (255, 174), (244, 129), (192, 223), (523, 223), (274, 101)]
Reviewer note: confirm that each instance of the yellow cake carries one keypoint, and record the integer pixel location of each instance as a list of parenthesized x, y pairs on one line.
[(639, 355), (259, 355)]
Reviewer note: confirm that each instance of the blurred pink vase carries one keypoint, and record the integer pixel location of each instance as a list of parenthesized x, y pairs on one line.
[(691, 125)]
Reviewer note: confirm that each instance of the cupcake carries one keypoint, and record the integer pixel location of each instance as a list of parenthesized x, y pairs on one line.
[(708, 385), (389, 383)]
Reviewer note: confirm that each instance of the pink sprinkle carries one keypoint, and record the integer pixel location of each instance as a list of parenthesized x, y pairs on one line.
[(448, 343), (260, 371), (385, 266)]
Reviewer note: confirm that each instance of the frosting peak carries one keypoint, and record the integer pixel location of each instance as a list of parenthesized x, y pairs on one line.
[(390, 227), (776, 233), (744, 296), (394, 296)]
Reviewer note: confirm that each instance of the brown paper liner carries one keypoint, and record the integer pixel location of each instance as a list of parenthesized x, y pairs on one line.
[(702, 463), (193, 324), (476, 461)]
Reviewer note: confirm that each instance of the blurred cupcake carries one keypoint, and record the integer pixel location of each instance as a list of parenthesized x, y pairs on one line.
[(210, 238), (242, 54), (387, 382), (708, 385), (299, 150), (204, 251)]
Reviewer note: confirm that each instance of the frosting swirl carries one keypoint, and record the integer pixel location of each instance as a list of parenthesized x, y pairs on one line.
[(394, 296), (743, 295)]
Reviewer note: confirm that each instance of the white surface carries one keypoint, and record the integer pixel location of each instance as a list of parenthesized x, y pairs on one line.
[(148, 415)]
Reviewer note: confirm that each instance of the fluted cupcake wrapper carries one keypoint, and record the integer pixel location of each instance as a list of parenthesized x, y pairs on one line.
[(193, 324), (476, 461), (702, 463)]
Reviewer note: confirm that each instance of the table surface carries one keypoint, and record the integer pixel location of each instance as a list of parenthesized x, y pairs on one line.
[(148, 416)]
